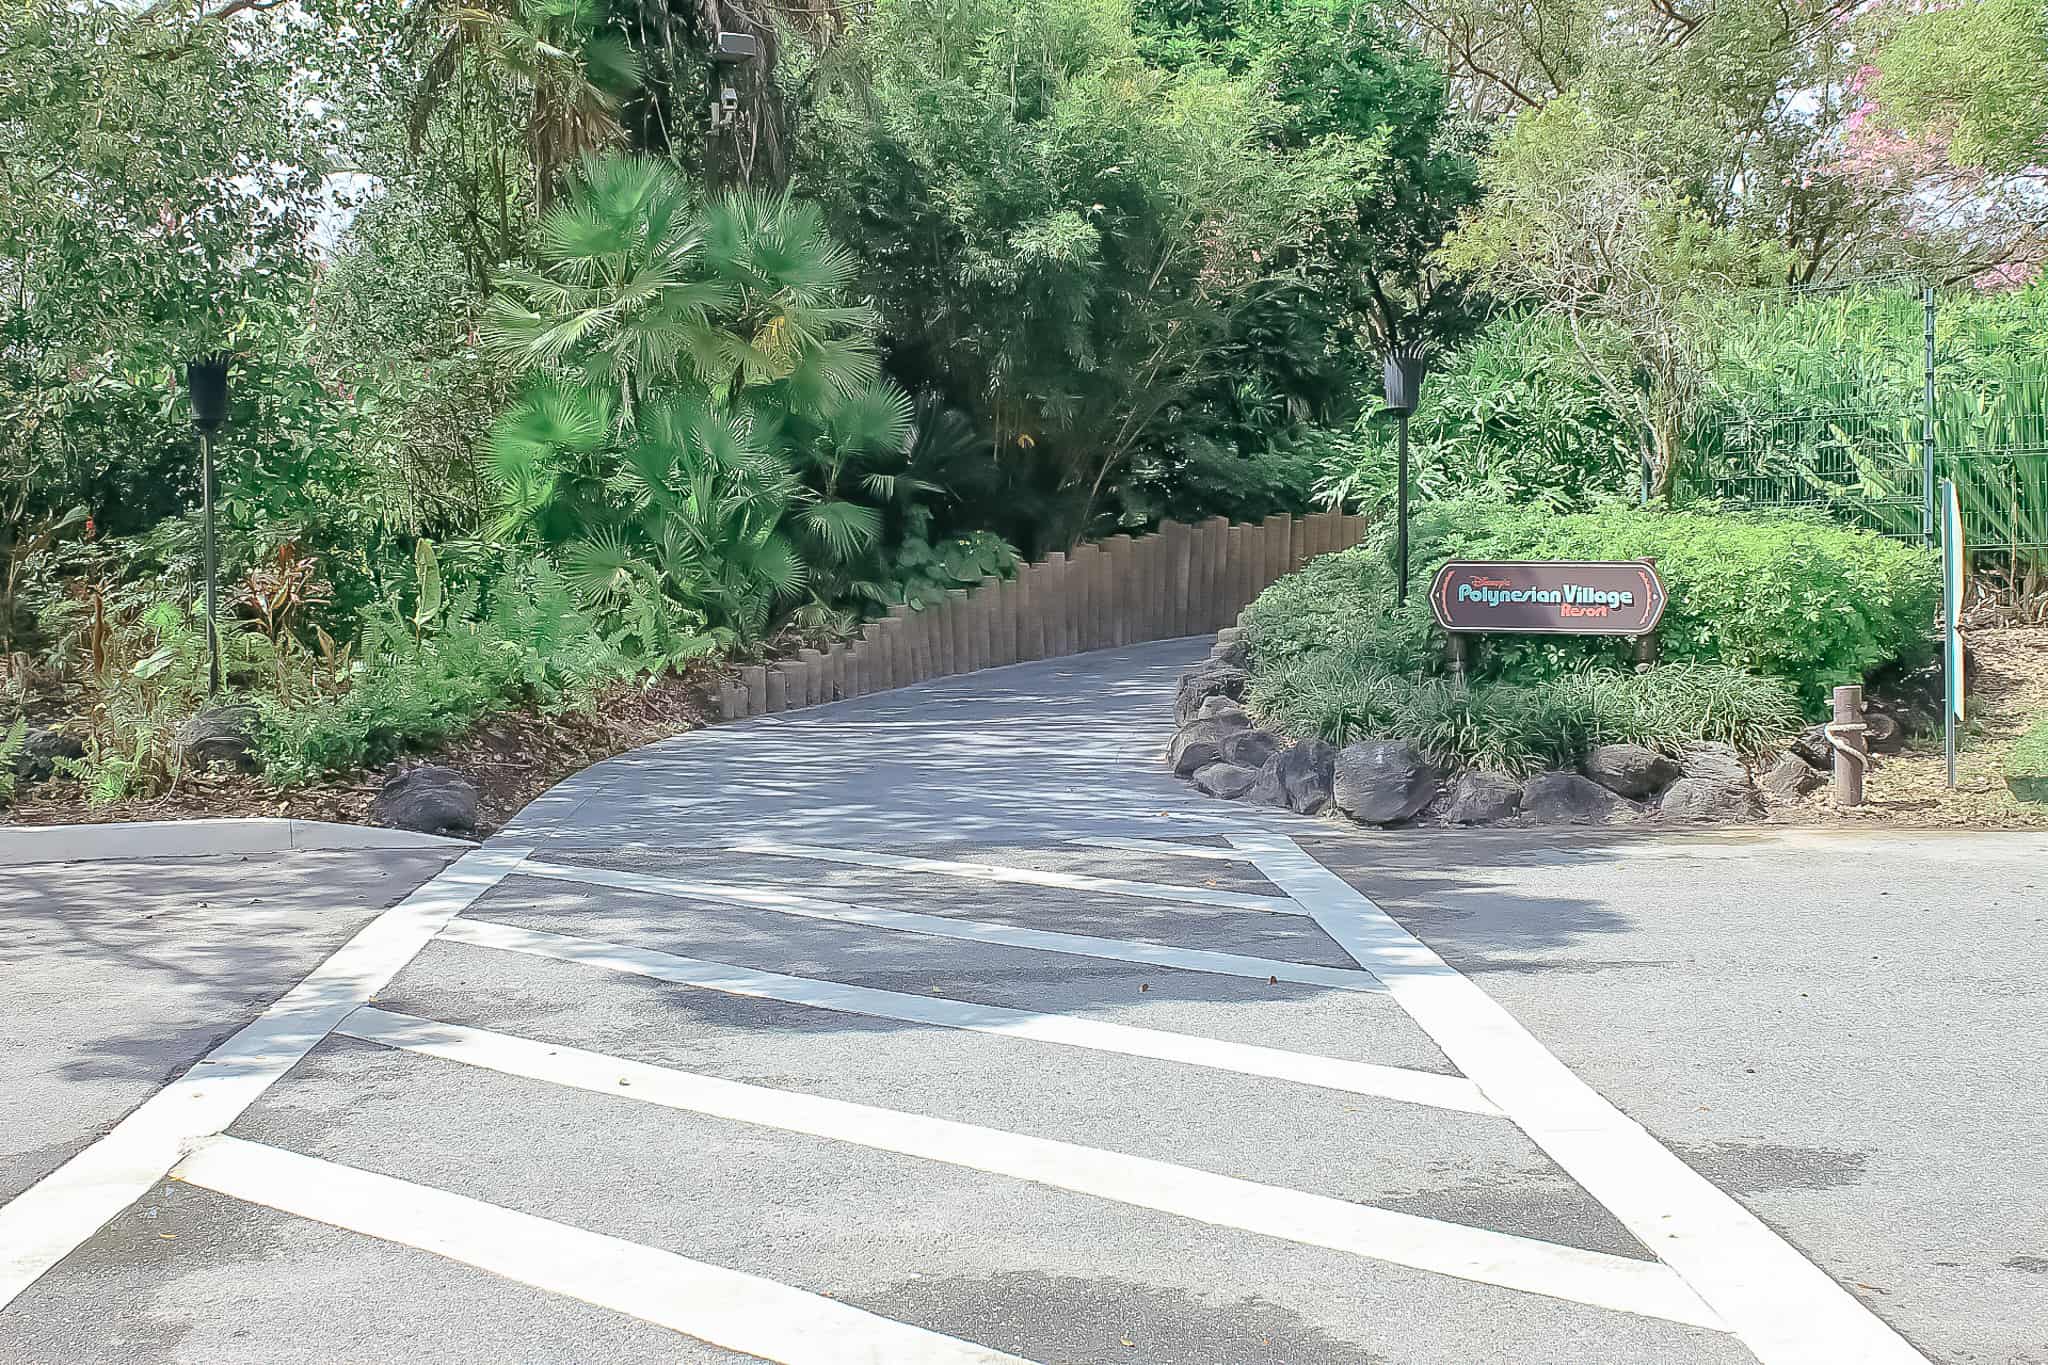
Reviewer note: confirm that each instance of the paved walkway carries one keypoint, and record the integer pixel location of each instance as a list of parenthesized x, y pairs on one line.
[(943, 1026)]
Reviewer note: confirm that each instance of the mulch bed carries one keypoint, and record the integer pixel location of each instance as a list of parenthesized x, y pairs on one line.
[(1910, 790), (512, 757)]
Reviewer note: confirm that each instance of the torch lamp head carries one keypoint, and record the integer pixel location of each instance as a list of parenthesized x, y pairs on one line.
[(1404, 380), (206, 382)]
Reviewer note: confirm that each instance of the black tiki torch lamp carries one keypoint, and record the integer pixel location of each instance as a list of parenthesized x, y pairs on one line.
[(206, 383), (1404, 391)]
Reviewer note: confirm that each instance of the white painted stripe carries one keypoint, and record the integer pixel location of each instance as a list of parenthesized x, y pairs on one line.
[(1468, 1253), (1784, 1308), (1027, 876), (1206, 851), (1358, 1078), (52, 1217), (727, 1308), (966, 930)]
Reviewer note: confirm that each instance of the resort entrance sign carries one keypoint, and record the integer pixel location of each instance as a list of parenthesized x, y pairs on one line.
[(1548, 597)]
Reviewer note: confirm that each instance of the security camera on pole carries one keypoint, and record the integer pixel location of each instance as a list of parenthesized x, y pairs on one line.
[(727, 52), (1404, 373), (206, 384)]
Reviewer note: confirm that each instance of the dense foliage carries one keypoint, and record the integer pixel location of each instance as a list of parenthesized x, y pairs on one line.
[(547, 378)]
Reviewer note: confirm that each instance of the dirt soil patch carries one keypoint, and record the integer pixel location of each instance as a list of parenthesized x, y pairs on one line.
[(1911, 789), (511, 756)]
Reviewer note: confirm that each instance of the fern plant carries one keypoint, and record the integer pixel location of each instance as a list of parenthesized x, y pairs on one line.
[(10, 745)]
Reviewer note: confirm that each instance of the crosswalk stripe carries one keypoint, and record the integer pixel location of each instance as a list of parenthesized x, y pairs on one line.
[(1783, 1307), (1028, 876), (727, 1308), (46, 1222), (966, 930), (1589, 1277), (1358, 1078)]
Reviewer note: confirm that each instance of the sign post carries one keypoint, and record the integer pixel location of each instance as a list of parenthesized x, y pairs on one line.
[(1954, 564)]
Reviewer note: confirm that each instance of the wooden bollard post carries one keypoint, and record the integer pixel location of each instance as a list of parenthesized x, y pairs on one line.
[(1852, 755)]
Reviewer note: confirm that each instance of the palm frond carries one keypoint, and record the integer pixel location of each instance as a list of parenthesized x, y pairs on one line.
[(843, 528)]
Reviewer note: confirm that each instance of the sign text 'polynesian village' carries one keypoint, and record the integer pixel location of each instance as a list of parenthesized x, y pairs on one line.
[(1548, 597)]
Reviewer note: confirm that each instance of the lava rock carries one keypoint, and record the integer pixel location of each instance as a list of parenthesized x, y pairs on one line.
[(428, 799), (1221, 708), (1380, 781), (36, 759), (1308, 772), (1198, 685), (1562, 798), (1630, 770), (1250, 748), (1226, 780), (1792, 777), (1297, 779), (1483, 799), (220, 735), (1200, 743), (1713, 763), (1699, 798), (1230, 653)]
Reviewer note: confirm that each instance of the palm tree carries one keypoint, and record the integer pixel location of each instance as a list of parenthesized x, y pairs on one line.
[(569, 66), (637, 286)]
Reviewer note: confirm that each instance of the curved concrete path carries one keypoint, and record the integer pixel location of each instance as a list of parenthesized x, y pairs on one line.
[(944, 1026), (1034, 752)]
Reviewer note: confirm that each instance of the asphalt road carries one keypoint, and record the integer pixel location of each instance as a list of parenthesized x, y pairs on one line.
[(943, 1026)]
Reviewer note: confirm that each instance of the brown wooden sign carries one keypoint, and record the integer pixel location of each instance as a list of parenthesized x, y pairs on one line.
[(1548, 597)]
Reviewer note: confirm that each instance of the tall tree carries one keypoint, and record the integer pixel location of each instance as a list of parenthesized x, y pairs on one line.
[(1579, 223), (1755, 104), (1056, 231)]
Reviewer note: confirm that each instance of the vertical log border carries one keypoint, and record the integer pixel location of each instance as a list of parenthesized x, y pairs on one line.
[(1176, 581)]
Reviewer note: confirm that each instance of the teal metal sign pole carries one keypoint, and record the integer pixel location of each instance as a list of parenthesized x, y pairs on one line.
[(1953, 564)]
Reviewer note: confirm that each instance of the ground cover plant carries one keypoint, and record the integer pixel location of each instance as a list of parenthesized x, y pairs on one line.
[(2028, 759), (1767, 614)]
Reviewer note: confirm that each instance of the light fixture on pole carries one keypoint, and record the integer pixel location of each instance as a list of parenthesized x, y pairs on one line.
[(729, 51), (206, 384), (1404, 391)]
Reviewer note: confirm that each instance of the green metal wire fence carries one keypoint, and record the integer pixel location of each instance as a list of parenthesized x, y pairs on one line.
[(1844, 400)]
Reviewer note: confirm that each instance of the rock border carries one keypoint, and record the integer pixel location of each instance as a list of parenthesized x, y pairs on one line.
[(1388, 782)]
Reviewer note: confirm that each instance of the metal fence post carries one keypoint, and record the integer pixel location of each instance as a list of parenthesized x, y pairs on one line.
[(1927, 424)]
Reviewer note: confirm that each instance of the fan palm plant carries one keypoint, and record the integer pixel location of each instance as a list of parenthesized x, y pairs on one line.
[(638, 287), (707, 426)]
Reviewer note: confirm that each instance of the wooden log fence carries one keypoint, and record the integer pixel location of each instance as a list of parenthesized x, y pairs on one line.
[(1177, 581)]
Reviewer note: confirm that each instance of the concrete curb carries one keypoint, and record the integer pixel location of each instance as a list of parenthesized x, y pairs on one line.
[(21, 845)]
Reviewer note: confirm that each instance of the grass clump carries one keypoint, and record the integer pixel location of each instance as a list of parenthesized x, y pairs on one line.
[(2029, 757), (1516, 728)]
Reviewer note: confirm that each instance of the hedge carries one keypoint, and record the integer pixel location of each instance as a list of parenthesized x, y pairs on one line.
[(1782, 596)]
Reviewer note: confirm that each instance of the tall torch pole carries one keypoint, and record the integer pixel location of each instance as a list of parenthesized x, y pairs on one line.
[(206, 384), (1404, 390)]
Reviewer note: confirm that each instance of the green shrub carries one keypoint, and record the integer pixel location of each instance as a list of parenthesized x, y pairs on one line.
[(1518, 728), (535, 646), (1793, 598), (2029, 757)]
